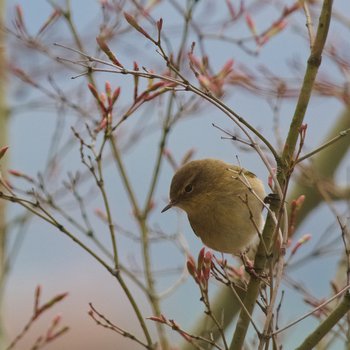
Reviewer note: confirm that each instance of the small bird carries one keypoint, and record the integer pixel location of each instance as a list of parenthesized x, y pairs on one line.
[(223, 203)]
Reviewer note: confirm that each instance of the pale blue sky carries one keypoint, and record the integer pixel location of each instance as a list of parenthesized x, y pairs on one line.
[(49, 258)]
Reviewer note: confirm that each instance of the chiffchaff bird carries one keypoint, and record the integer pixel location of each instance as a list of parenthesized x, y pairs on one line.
[(223, 203)]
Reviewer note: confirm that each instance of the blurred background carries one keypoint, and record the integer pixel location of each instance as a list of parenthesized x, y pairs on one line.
[(41, 142)]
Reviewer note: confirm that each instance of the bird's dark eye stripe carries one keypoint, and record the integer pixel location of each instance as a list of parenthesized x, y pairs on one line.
[(188, 188)]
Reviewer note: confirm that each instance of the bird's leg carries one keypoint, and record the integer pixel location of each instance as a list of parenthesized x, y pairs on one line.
[(271, 198)]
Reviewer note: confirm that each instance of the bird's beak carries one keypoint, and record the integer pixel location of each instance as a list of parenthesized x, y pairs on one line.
[(168, 206)]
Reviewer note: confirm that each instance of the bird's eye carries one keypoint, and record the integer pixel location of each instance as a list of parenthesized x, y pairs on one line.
[(188, 188)]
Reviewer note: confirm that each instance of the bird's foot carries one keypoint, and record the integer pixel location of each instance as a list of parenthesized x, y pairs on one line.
[(271, 198)]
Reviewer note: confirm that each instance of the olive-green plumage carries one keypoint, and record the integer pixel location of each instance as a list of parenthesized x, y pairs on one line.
[(219, 201)]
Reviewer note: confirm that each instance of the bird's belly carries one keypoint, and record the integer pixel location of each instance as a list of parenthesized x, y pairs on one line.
[(224, 229)]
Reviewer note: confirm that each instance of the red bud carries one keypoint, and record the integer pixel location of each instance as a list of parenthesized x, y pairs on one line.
[(115, 96), (160, 24), (104, 47), (93, 90), (108, 88), (191, 267), (200, 259), (132, 21), (3, 150), (52, 18)]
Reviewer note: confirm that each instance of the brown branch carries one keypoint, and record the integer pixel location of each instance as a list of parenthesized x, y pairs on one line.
[(285, 167)]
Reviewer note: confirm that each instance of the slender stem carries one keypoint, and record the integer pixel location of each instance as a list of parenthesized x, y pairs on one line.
[(154, 301), (142, 217), (4, 118), (136, 209), (153, 297), (325, 145), (319, 307), (313, 65), (270, 307), (216, 322), (97, 317), (100, 184), (154, 181), (124, 176), (160, 157), (238, 297), (136, 310), (324, 328), (144, 229), (254, 283), (142, 220), (309, 24)]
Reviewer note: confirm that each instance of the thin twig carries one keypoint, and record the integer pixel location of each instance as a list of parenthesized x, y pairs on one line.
[(325, 145), (319, 307), (309, 24)]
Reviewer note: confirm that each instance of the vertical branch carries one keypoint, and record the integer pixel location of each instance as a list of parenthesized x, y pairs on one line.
[(142, 219), (145, 232), (154, 301), (325, 163), (125, 179), (285, 169), (162, 144), (4, 114), (100, 184), (313, 64)]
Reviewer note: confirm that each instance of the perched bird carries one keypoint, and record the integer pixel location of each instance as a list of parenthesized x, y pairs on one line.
[(223, 203)]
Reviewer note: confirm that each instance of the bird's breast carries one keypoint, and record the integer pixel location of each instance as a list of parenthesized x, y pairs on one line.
[(225, 225)]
